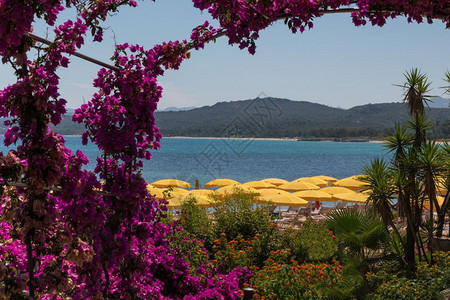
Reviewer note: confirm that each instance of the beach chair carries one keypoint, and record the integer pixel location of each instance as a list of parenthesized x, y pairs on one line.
[(320, 218), (341, 205), (304, 211), (326, 210), (316, 212), (291, 211)]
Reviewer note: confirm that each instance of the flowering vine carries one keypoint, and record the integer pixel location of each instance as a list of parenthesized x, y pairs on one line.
[(74, 241)]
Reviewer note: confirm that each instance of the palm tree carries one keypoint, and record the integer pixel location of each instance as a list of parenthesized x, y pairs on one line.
[(361, 236), (416, 97), (398, 140), (381, 187), (401, 142), (417, 87), (444, 180), (430, 164), (447, 79)]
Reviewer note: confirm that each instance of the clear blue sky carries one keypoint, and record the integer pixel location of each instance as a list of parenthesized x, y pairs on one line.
[(335, 63)]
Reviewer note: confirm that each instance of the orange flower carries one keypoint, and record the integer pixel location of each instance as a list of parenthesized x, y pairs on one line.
[(223, 234)]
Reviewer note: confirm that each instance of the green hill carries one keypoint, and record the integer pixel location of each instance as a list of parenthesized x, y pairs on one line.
[(283, 118), (278, 118)]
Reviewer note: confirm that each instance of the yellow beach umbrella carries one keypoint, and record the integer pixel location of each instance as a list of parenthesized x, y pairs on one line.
[(441, 189), (174, 203), (231, 189), (171, 182), (440, 200), (350, 183), (284, 199), (357, 177), (314, 195), (173, 192), (316, 181), (200, 192), (298, 186), (275, 181), (156, 192), (259, 184), (221, 182), (202, 201), (352, 197), (179, 191), (267, 192), (336, 190), (326, 178)]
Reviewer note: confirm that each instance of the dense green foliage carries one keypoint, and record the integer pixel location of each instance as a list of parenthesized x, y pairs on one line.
[(427, 283), (279, 118), (273, 117), (348, 257)]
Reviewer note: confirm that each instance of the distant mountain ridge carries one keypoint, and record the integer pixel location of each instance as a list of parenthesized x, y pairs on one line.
[(282, 118), (439, 102), (278, 118), (173, 108)]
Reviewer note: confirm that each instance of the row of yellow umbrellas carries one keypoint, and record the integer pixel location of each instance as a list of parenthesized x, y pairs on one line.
[(176, 196), (320, 181), (303, 183), (270, 189)]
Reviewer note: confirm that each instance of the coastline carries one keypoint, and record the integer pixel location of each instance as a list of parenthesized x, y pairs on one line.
[(335, 140), (278, 139)]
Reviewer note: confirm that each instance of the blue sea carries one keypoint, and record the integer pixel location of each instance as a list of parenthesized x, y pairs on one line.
[(245, 160)]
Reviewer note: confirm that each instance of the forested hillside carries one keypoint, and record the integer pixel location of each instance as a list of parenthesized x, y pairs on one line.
[(272, 117), (279, 118)]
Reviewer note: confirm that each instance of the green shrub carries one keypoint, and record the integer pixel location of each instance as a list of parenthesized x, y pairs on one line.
[(279, 279), (238, 217), (429, 281), (194, 220), (319, 242)]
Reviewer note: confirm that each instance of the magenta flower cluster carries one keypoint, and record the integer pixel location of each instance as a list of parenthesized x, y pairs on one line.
[(242, 20), (67, 233)]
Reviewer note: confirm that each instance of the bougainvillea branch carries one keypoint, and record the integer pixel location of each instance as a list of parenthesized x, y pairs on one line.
[(75, 242)]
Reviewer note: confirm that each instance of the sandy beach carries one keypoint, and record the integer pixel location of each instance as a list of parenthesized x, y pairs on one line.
[(272, 139)]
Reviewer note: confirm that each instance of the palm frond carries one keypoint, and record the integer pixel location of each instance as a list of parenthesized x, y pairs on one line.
[(447, 79), (398, 139), (416, 91)]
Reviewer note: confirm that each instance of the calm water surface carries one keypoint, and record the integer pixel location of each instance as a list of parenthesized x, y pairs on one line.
[(244, 160)]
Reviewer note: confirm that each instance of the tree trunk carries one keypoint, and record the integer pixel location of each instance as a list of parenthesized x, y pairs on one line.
[(409, 248), (444, 209)]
